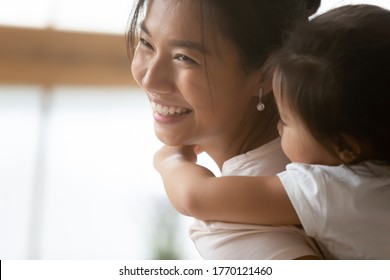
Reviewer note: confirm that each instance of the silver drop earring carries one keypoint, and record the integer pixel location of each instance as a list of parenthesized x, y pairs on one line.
[(260, 106)]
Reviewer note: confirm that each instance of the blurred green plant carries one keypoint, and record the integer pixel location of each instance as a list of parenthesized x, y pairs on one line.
[(164, 237)]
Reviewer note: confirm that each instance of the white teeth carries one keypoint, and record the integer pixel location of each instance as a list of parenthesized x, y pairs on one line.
[(168, 110), (172, 110)]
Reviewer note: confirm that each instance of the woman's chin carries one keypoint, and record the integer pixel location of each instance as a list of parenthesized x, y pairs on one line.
[(169, 139)]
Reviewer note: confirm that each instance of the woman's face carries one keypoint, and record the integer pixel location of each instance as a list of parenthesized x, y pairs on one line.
[(198, 91)]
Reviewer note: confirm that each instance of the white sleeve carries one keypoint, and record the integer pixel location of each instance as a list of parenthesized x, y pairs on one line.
[(306, 191)]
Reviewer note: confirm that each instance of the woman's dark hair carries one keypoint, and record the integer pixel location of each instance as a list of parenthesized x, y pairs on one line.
[(334, 75), (256, 27)]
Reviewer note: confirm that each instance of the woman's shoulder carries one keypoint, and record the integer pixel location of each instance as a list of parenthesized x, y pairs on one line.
[(266, 160)]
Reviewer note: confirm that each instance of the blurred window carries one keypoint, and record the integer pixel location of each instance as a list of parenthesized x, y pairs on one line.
[(82, 15)]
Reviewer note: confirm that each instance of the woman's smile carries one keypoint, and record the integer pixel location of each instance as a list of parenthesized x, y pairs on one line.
[(168, 113)]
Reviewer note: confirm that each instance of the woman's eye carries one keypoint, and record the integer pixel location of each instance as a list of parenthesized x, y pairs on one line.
[(184, 58), (145, 43)]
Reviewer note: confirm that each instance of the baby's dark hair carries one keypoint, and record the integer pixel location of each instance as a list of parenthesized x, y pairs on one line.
[(334, 74)]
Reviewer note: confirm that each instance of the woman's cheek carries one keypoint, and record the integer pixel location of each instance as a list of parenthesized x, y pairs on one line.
[(279, 126), (137, 66)]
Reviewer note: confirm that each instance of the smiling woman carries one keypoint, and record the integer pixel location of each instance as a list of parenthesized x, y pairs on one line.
[(184, 61), (201, 73), (199, 63)]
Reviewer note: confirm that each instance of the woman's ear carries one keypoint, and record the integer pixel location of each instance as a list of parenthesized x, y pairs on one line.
[(267, 88), (266, 85), (348, 149)]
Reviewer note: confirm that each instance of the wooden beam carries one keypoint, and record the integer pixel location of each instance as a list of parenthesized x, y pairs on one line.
[(53, 57)]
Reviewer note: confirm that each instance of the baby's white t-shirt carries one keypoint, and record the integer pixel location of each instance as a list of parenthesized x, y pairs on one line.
[(345, 208)]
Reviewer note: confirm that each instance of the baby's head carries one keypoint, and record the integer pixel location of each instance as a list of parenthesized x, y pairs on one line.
[(334, 75)]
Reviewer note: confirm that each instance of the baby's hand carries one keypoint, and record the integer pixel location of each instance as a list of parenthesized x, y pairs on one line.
[(170, 154)]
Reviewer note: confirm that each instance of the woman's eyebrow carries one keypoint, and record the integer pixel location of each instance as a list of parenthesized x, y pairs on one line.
[(189, 45), (144, 28), (179, 43)]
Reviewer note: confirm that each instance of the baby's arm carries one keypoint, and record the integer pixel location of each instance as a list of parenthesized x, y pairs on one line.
[(195, 191)]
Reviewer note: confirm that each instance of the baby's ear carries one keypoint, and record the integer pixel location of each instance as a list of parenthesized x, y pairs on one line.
[(348, 149)]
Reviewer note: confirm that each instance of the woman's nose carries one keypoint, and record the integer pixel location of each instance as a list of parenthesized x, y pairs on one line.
[(158, 76)]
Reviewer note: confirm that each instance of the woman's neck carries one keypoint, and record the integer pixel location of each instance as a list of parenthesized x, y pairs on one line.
[(255, 130)]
